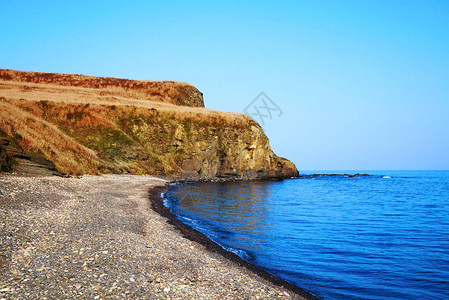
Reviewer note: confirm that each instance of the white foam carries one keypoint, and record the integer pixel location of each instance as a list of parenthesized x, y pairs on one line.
[(243, 254)]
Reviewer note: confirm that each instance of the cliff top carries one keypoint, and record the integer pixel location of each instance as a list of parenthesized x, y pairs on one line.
[(179, 93)]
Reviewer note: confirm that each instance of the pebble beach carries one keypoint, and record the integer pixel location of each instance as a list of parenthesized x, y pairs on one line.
[(96, 237)]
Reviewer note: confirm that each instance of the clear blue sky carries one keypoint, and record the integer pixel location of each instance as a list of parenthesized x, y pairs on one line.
[(362, 84)]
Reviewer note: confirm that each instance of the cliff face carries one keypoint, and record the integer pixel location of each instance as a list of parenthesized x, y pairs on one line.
[(82, 131)]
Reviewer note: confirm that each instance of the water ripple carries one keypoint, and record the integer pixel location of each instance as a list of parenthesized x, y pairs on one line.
[(339, 237)]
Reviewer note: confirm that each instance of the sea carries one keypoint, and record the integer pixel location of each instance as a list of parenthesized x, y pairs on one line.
[(384, 236)]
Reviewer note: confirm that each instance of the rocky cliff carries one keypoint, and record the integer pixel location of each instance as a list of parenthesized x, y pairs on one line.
[(95, 125)]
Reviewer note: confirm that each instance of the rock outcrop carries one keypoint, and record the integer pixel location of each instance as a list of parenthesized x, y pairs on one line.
[(94, 125), (6, 161)]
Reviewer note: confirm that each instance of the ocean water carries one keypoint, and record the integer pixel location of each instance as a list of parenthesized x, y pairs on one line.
[(337, 237)]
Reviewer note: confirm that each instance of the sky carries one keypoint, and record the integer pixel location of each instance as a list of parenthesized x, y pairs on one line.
[(362, 85)]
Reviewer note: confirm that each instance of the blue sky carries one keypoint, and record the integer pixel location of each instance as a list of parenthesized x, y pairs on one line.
[(362, 84)]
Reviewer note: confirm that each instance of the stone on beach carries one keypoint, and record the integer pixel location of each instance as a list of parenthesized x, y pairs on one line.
[(96, 236)]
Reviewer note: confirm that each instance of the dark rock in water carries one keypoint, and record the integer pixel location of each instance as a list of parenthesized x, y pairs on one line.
[(357, 175), (334, 175)]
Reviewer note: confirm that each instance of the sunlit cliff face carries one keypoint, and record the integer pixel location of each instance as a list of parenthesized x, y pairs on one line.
[(94, 125)]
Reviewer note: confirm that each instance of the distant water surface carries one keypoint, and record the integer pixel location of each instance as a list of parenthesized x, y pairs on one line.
[(337, 237)]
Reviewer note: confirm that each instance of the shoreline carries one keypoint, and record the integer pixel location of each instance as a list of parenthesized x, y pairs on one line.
[(98, 237), (194, 235)]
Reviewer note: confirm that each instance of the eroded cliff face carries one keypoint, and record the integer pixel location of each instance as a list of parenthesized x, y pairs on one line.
[(89, 134), (236, 152)]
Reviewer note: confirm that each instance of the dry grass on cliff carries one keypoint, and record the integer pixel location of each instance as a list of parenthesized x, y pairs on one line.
[(145, 87), (17, 92), (81, 86), (37, 135), (78, 111)]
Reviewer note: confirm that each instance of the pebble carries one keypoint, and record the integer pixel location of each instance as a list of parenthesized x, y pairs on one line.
[(53, 241)]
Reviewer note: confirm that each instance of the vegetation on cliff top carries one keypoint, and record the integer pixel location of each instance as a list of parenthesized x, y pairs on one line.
[(83, 132)]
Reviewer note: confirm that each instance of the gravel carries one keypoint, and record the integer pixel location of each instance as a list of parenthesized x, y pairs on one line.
[(96, 237)]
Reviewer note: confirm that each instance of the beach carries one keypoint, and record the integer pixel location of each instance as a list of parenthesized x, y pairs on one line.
[(98, 237)]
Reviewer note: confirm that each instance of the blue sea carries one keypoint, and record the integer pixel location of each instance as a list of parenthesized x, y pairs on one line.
[(379, 237)]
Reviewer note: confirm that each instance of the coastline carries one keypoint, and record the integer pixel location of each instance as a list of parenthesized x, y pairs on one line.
[(98, 237), (196, 236)]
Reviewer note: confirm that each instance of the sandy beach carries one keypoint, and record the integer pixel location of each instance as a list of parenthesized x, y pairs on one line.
[(97, 237)]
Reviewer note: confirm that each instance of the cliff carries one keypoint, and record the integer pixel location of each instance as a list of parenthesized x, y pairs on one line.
[(95, 125)]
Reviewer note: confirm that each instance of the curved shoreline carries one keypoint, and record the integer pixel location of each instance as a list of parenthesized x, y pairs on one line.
[(194, 235), (98, 237)]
